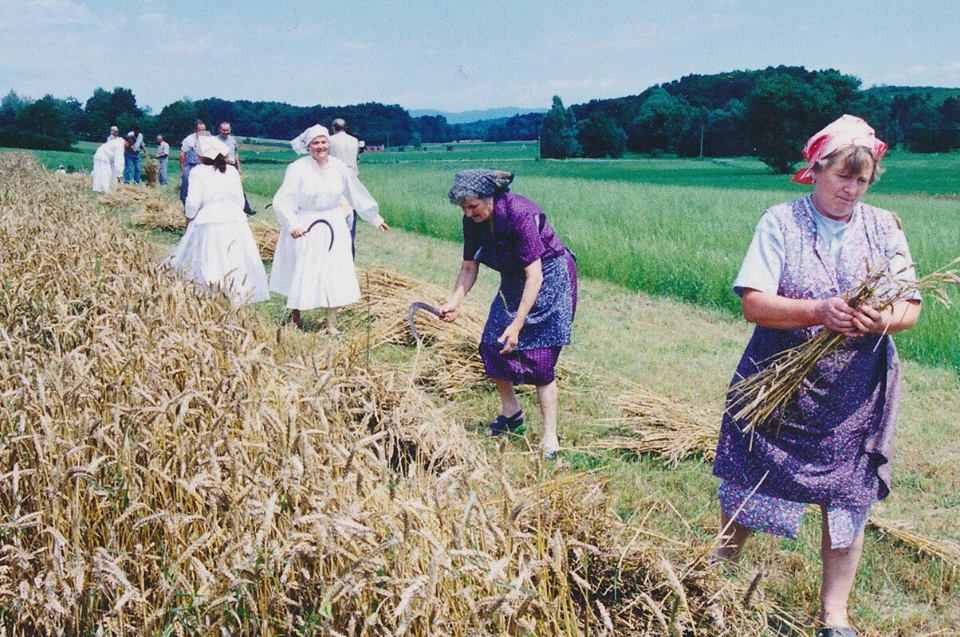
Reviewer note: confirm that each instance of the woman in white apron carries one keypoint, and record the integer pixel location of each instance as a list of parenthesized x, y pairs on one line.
[(313, 264), (218, 249)]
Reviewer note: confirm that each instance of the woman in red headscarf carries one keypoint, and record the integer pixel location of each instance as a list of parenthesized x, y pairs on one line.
[(834, 444)]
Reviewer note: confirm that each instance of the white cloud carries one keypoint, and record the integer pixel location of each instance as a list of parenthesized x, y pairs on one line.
[(20, 15), (932, 74)]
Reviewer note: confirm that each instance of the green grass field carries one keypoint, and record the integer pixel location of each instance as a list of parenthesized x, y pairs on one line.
[(666, 226)]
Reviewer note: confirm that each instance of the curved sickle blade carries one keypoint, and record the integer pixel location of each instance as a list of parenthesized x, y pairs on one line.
[(414, 308), (329, 227)]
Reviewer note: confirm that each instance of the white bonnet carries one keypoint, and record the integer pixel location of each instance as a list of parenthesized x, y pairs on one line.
[(300, 142)]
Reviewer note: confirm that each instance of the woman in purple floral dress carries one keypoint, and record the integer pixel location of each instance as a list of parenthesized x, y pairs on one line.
[(834, 445), (531, 317)]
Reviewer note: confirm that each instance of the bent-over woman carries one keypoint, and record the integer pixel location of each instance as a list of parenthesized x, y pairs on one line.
[(313, 264), (833, 445), (218, 249), (531, 316), (108, 164)]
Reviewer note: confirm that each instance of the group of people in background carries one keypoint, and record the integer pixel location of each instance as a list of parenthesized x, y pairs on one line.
[(833, 449), (316, 206), (120, 158)]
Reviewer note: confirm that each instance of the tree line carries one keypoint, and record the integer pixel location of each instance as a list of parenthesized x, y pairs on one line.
[(768, 113), (55, 124)]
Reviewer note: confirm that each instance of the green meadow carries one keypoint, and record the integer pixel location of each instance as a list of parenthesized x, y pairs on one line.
[(672, 227)]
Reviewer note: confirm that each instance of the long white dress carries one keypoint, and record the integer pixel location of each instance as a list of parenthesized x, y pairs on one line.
[(218, 250), (310, 271), (107, 164)]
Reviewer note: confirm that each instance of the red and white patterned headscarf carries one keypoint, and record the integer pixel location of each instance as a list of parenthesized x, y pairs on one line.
[(845, 131)]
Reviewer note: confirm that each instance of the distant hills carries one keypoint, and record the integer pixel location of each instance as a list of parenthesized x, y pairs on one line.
[(937, 93), (465, 117)]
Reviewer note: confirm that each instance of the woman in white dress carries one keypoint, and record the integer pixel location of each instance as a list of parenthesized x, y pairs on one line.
[(313, 264), (218, 249), (108, 164)]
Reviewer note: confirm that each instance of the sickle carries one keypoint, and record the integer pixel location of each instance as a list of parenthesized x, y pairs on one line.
[(327, 224), (414, 307)]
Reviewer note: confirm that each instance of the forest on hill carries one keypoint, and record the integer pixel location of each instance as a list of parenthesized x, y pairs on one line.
[(749, 112)]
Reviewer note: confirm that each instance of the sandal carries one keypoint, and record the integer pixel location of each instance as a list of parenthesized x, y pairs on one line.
[(552, 454), (836, 631), (504, 424)]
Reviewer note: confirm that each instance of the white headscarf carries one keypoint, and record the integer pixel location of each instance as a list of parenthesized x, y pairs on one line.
[(300, 142), (209, 146)]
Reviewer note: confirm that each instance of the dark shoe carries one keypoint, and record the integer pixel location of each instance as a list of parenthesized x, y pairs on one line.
[(836, 631), (297, 320), (503, 424)]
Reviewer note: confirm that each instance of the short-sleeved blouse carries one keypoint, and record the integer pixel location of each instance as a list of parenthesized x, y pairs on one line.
[(764, 261)]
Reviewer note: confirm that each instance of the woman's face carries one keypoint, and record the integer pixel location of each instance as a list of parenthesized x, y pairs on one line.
[(319, 148), (836, 191), (476, 209)]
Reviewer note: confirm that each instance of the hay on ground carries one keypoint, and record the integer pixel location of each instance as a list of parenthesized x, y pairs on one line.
[(651, 423), (266, 238), (450, 362), (944, 550), (158, 214)]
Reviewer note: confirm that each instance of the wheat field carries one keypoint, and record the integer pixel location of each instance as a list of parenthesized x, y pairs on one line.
[(172, 466)]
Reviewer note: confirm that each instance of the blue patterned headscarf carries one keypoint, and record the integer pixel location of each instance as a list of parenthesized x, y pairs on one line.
[(480, 183)]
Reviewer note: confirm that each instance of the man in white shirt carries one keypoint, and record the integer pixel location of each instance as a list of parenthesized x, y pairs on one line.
[(346, 148), (162, 155), (223, 134), (189, 157)]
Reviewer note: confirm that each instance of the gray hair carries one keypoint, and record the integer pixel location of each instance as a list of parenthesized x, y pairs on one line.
[(853, 159), (480, 183)]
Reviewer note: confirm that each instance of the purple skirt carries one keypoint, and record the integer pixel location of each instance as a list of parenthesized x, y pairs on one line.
[(531, 364)]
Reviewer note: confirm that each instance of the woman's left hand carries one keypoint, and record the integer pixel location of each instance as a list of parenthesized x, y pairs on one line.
[(868, 320), (509, 338), (384, 227)]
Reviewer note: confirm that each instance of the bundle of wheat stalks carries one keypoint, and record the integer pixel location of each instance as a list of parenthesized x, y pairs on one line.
[(450, 360), (266, 238), (157, 214), (944, 550), (651, 423), (123, 195), (168, 470), (758, 399)]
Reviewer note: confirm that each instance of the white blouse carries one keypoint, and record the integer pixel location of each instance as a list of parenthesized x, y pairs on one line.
[(111, 151), (309, 189), (214, 197)]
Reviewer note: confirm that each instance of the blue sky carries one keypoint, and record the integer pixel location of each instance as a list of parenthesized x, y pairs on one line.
[(455, 56)]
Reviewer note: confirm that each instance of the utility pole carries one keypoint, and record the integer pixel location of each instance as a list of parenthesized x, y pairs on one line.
[(701, 139)]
